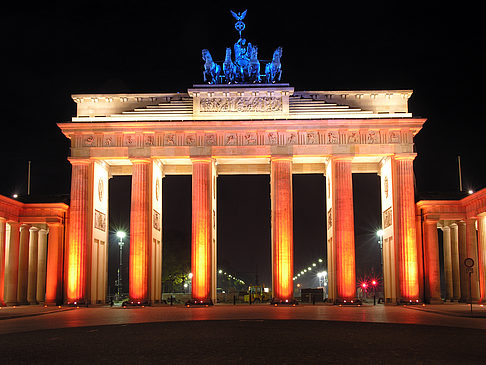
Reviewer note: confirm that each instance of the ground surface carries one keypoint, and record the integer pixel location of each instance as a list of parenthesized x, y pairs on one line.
[(244, 335)]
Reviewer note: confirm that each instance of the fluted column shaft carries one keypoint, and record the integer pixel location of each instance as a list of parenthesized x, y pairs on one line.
[(42, 267), (432, 268), (343, 234), (456, 275), (33, 248), (3, 244), (12, 265), (482, 257), (448, 262), (54, 264), (78, 232), (23, 265), (406, 230), (282, 227), (140, 225), (201, 255)]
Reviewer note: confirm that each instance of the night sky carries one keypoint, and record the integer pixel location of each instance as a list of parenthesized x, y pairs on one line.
[(50, 51)]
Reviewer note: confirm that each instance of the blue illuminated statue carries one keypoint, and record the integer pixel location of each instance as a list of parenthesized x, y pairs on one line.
[(246, 67), (211, 69)]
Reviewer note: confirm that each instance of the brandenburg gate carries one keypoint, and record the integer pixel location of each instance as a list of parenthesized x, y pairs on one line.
[(223, 129)]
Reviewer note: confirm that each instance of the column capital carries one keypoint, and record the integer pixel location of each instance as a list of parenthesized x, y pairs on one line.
[(34, 229), (79, 161), (405, 156), (140, 160), (281, 157), (206, 159), (342, 158)]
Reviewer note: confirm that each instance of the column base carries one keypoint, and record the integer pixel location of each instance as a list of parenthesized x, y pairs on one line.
[(410, 301), (199, 303)]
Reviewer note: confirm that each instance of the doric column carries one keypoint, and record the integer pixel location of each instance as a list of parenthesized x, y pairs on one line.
[(405, 231), (282, 228), (32, 282), (41, 267), (432, 268), (54, 264), (456, 275), (343, 233), (446, 234), (23, 264), (472, 252), (12, 265), (140, 220), (461, 229), (202, 243), (78, 232), (3, 229), (482, 257)]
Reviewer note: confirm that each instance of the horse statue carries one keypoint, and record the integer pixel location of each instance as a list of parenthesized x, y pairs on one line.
[(254, 66), (273, 70), (229, 68), (211, 69)]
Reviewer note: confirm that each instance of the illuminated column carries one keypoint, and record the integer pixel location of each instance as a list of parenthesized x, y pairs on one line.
[(41, 267), (79, 228), (405, 231), (32, 281), (472, 252), (482, 257), (456, 275), (54, 264), (431, 269), (12, 264), (23, 264), (448, 262), (140, 220), (343, 233), (3, 236), (462, 256), (203, 243), (282, 228)]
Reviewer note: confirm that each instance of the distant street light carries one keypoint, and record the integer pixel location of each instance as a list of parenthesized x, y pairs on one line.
[(121, 235)]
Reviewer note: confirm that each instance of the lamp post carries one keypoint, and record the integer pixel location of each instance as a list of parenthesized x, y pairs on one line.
[(121, 235)]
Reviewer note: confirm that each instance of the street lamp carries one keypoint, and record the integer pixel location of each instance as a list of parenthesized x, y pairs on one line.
[(121, 235)]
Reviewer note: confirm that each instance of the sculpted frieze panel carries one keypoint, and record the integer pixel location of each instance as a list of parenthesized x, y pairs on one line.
[(256, 104), (190, 139)]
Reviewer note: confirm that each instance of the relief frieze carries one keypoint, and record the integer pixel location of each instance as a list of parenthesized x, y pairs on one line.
[(254, 104)]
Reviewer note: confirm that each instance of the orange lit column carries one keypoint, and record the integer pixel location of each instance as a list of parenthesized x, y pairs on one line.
[(432, 270), (343, 234), (140, 220), (42, 266), (282, 228), (12, 264), (3, 231), (33, 254), (202, 246), (54, 264), (23, 264), (78, 232), (405, 228), (482, 257), (472, 252), (456, 276)]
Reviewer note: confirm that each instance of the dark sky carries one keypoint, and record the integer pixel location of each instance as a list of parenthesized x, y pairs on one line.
[(50, 51)]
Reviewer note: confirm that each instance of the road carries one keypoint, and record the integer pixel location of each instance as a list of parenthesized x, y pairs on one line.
[(242, 334)]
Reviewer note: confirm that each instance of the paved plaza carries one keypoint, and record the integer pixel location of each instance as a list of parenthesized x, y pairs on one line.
[(245, 334)]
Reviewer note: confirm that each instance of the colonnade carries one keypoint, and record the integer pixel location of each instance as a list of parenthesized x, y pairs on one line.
[(401, 277), (29, 272), (462, 239)]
